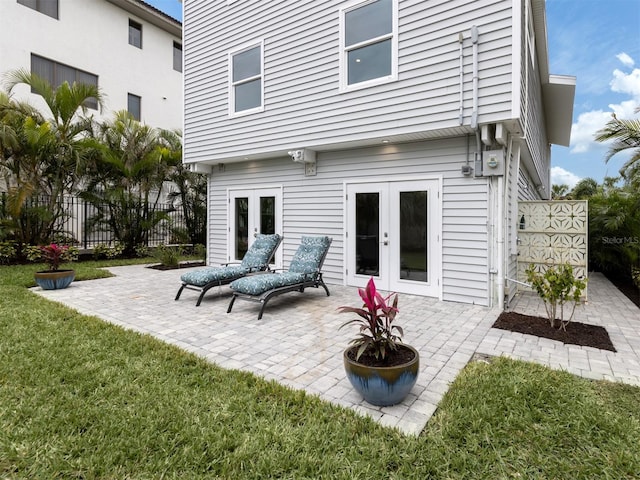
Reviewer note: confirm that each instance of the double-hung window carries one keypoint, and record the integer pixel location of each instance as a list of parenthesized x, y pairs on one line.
[(246, 80), (369, 43), (57, 73), (135, 34), (48, 7), (177, 57), (134, 106)]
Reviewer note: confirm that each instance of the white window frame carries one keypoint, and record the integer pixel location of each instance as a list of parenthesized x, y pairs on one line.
[(344, 50), (232, 84), (531, 35)]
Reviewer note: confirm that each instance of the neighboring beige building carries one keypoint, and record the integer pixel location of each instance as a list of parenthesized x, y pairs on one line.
[(130, 49)]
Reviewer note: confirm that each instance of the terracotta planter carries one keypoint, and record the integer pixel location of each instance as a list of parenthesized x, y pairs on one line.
[(55, 279), (383, 386)]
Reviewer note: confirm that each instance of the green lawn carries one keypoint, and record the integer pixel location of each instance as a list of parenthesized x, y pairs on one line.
[(80, 398)]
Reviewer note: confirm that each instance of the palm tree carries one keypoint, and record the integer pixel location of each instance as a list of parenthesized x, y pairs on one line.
[(558, 192), (44, 153), (584, 189), (127, 180), (625, 135), (188, 191)]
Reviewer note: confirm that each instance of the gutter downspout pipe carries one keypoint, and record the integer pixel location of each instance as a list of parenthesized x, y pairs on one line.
[(461, 110), (474, 114)]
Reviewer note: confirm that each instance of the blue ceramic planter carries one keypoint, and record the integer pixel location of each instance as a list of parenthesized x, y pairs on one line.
[(383, 386), (55, 280)]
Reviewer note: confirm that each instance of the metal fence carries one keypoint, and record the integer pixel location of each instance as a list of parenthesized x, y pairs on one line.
[(76, 220)]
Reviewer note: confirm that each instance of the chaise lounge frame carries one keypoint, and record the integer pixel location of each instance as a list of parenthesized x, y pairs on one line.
[(225, 281), (312, 279)]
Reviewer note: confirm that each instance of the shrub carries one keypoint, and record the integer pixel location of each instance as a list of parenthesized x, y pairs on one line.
[(8, 253), (167, 255), (142, 251), (557, 286), (103, 251), (200, 251)]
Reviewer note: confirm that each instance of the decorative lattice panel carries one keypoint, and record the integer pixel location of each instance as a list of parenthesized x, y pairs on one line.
[(552, 233)]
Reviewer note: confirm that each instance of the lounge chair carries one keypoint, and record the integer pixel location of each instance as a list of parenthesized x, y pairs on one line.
[(304, 271), (255, 260)]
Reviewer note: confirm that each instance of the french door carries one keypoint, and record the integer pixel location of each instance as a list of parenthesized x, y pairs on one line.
[(252, 212), (393, 235)]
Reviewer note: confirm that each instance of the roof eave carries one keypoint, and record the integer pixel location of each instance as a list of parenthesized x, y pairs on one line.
[(151, 14), (558, 97)]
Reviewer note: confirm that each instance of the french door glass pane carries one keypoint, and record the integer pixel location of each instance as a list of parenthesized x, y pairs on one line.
[(368, 233), (413, 236), (242, 226), (268, 215)]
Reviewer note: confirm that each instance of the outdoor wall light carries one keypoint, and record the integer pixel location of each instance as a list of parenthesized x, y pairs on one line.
[(302, 155)]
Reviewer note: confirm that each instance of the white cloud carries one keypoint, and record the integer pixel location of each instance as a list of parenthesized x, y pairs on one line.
[(560, 176), (625, 59), (583, 131), (626, 83)]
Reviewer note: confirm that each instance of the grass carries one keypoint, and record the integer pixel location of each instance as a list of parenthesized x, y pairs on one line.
[(22, 275), (80, 398)]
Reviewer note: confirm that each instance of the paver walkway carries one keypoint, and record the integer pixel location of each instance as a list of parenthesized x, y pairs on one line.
[(297, 343)]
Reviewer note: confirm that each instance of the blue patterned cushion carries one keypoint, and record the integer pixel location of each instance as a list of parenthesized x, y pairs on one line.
[(258, 284), (261, 250), (204, 276), (310, 254)]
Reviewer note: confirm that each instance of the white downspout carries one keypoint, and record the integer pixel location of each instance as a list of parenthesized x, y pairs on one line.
[(474, 114), (503, 226), (461, 109)]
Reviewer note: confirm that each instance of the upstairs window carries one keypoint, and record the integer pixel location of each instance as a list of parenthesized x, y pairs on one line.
[(246, 85), (134, 105), (48, 7), (135, 34), (58, 73), (177, 57), (369, 43), (531, 37)]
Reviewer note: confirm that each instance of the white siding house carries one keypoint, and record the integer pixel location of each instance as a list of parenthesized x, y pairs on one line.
[(407, 130), (132, 50)]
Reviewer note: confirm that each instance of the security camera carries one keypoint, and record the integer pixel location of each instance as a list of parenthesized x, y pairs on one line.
[(297, 155)]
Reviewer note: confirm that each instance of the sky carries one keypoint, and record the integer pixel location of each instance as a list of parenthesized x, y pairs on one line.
[(598, 42)]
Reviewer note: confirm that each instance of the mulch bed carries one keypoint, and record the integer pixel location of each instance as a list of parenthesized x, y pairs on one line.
[(576, 334), (180, 265)]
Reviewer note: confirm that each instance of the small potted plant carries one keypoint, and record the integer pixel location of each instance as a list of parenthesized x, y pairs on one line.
[(54, 255), (379, 366)]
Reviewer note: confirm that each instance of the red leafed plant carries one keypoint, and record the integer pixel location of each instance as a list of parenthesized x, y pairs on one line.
[(377, 314), (53, 255)]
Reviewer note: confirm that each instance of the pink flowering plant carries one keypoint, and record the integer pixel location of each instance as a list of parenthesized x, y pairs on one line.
[(53, 254), (376, 317)]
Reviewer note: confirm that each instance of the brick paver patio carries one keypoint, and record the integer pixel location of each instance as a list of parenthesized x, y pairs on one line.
[(298, 344)]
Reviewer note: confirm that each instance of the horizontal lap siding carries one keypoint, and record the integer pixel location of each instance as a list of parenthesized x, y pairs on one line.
[(315, 205), (301, 74), (526, 187)]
